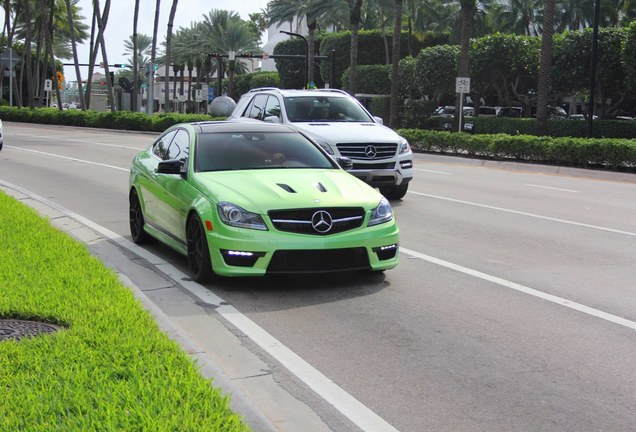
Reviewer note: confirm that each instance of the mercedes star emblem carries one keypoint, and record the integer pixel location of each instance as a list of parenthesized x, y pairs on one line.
[(321, 221), (370, 152)]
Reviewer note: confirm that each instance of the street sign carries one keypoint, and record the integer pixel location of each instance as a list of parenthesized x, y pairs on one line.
[(9, 58), (462, 85), (265, 55), (48, 85), (198, 95)]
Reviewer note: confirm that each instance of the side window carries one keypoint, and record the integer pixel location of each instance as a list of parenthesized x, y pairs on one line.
[(160, 147), (257, 110), (273, 107), (180, 145)]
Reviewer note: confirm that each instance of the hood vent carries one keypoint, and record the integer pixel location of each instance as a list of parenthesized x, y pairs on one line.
[(321, 187), (288, 188)]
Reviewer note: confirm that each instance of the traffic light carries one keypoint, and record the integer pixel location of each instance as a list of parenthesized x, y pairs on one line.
[(112, 78)]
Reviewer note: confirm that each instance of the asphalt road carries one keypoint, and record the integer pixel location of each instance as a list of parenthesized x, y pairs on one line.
[(513, 307)]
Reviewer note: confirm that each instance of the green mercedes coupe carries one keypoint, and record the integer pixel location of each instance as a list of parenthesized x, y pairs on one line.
[(250, 198)]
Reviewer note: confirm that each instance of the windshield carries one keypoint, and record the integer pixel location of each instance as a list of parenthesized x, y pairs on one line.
[(257, 150), (324, 109)]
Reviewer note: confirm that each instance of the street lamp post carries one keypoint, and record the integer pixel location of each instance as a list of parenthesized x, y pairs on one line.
[(306, 54)]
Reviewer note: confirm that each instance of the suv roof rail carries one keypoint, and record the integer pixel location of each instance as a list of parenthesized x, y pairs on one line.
[(331, 90), (259, 89)]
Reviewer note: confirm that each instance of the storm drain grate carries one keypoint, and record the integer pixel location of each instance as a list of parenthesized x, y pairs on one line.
[(18, 329)]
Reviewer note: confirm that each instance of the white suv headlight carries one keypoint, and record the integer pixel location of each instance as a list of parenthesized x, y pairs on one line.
[(381, 214), (235, 216), (404, 146)]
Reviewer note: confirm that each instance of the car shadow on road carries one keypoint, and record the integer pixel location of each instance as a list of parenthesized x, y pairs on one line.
[(278, 292)]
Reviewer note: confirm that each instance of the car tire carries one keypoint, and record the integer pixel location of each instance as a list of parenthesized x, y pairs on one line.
[(199, 263), (395, 192), (137, 222)]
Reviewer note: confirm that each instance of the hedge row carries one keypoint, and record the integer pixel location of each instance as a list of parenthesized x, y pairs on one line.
[(108, 120), (580, 152)]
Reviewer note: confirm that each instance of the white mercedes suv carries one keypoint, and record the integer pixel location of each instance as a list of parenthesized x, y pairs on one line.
[(342, 126)]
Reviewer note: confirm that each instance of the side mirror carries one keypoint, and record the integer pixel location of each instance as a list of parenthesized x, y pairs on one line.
[(271, 119), (345, 163), (172, 166), (378, 120)]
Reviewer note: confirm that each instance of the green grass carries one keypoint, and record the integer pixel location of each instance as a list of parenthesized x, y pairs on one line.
[(111, 369)]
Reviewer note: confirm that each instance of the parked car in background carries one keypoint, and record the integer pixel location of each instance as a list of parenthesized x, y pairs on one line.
[(251, 198), (342, 126)]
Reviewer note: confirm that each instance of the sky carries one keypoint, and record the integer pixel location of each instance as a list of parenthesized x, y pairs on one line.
[(120, 23)]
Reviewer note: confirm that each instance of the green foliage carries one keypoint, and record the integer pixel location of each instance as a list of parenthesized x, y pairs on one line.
[(292, 71), (407, 72), (371, 49), (506, 64), (572, 58), (246, 82), (436, 70), (110, 368), (629, 58), (373, 79), (416, 113), (109, 120), (580, 152)]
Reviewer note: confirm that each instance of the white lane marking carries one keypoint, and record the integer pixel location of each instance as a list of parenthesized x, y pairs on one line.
[(524, 289), (350, 407), (79, 141), (70, 158), (534, 215), (431, 171), (552, 188)]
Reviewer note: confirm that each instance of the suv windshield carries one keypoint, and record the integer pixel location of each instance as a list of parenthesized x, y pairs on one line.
[(324, 109), (257, 150)]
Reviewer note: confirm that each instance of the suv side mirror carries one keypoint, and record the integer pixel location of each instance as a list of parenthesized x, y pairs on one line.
[(271, 119), (345, 163), (378, 120)]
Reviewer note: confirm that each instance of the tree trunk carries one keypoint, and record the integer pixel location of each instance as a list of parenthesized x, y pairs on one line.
[(311, 33), (153, 57), (173, 11), (395, 61), (49, 44), (27, 49), (135, 88), (101, 25), (80, 90), (354, 21), (545, 63)]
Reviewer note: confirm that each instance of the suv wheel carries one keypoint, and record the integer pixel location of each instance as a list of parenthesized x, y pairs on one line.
[(394, 192)]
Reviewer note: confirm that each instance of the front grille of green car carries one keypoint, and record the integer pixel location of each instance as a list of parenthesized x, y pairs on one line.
[(303, 221), (310, 261)]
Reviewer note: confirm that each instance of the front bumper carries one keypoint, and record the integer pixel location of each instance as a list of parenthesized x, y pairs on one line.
[(239, 252)]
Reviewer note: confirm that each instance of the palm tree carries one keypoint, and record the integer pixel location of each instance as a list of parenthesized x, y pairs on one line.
[(173, 11), (354, 22), (101, 20), (135, 59), (395, 61), (224, 31), (545, 62), (153, 56), (69, 17)]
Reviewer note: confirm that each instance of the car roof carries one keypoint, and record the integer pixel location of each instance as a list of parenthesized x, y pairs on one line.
[(239, 126)]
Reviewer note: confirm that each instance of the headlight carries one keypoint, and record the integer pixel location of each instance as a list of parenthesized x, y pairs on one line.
[(326, 147), (235, 216), (405, 147), (382, 213)]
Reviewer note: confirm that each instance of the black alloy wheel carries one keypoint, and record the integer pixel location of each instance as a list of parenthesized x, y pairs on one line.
[(136, 215), (199, 263)]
